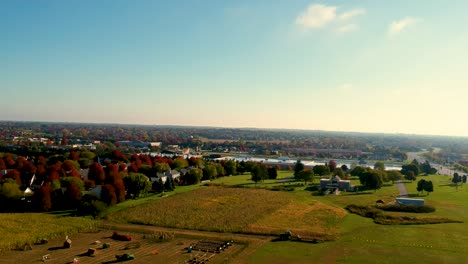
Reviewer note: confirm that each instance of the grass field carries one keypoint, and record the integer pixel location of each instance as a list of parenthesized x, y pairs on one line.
[(362, 241), (21, 228)]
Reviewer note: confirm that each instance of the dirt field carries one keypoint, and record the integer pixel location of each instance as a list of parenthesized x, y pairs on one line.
[(146, 246)]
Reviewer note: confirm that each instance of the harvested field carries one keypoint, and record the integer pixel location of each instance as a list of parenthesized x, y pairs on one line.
[(237, 210), (148, 245)]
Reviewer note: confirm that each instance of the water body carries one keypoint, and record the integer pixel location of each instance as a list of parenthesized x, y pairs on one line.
[(307, 163)]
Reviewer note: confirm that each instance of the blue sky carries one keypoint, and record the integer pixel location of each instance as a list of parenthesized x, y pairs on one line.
[(371, 66)]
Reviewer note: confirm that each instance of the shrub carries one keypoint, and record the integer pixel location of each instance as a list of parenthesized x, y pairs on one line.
[(407, 208)]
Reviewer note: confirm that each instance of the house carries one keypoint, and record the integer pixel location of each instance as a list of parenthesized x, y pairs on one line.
[(410, 201), (96, 191), (336, 183)]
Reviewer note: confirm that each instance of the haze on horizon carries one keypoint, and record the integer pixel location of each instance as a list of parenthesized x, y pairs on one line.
[(365, 66)]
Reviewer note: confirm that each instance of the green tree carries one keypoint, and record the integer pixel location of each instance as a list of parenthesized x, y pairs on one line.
[(210, 172), (372, 179), (259, 173), (408, 168), (230, 167), (420, 186), (161, 167), (180, 163), (394, 175), (272, 173), (306, 176), (338, 172), (136, 184), (428, 187), (194, 176), (379, 165), (321, 170), (9, 191), (298, 167)]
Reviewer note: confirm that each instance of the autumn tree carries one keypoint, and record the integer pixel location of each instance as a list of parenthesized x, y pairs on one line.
[(332, 165), (73, 195), (96, 173), (42, 197), (108, 194)]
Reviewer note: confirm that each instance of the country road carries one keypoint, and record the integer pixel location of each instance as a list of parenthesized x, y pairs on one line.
[(441, 169)]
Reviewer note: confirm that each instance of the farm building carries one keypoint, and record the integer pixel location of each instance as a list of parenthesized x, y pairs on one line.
[(410, 201), (336, 182)]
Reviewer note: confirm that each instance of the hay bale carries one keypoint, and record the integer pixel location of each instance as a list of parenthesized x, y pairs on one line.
[(92, 252), (67, 243)]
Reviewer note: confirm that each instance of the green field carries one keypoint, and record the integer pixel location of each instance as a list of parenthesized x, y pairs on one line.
[(21, 228), (362, 241)]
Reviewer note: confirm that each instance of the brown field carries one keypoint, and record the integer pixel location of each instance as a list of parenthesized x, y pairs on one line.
[(237, 210), (151, 249)]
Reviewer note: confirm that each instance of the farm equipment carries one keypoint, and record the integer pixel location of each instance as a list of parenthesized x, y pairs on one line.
[(290, 236)]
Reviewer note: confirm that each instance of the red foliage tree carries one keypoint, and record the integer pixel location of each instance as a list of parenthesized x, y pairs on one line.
[(74, 155), (108, 194), (132, 167), (9, 161), (42, 197), (2, 165), (89, 184), (122, 167), (15, 175), (41, 160), (64, 141), (120, 190), (118, 155), (96, 173), (73, 195)]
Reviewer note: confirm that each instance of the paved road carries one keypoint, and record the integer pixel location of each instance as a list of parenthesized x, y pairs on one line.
[(441, 169), (401, 189)]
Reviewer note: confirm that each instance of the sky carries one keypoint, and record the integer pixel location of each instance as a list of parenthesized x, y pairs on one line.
[(366, 66)]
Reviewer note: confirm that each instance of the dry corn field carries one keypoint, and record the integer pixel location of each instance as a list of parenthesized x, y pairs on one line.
[(236, 210)]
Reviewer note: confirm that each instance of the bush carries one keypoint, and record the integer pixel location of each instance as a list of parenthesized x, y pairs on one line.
[(92, 206), (407, 208)]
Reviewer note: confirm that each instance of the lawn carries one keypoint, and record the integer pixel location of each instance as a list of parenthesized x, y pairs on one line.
[(362, 241), (20, 228)]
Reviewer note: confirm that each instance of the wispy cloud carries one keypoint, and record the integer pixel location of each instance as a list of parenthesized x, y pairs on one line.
[(352, 13), (318, 16), (347, 28), (398, 26)]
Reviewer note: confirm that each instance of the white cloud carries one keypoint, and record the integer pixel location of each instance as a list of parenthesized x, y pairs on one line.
[(399, 26), (352, 13), (316, 16), (347, 28)]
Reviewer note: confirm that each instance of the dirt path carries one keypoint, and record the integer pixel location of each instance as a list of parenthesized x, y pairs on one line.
[(148, 250), (401, 188)]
